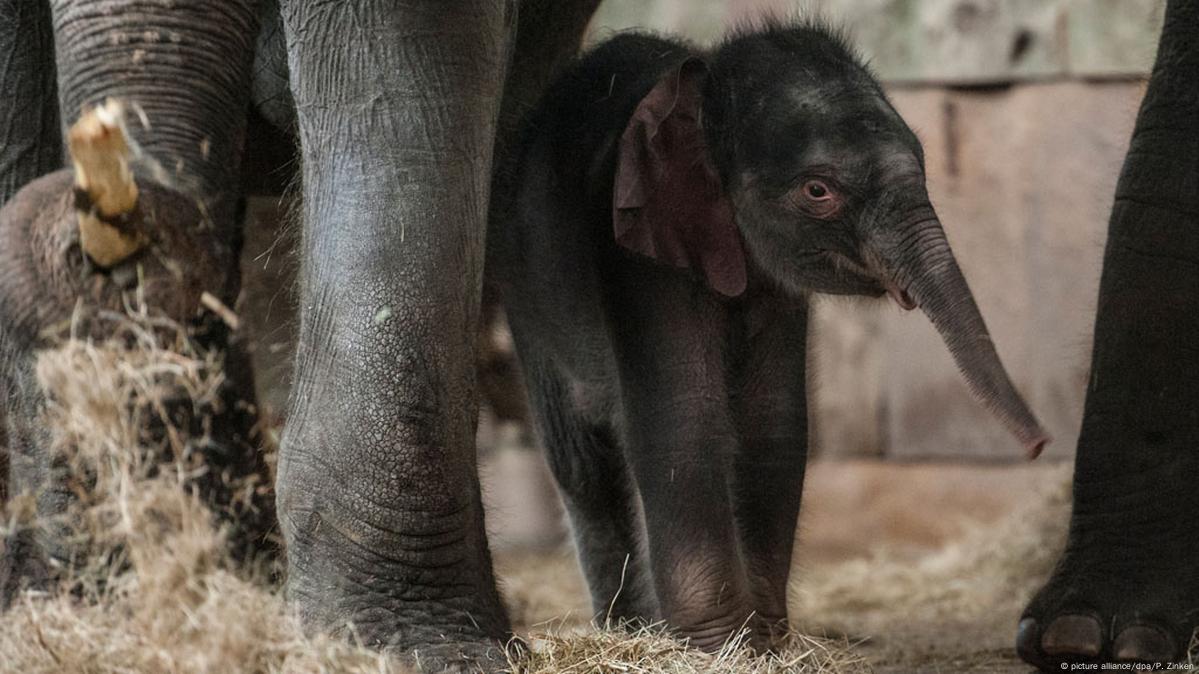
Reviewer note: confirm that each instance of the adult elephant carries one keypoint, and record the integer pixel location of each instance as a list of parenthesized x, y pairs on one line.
[(1127, 586), (396, 108)]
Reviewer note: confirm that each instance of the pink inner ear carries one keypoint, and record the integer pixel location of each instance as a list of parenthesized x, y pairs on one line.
[(668, 203)]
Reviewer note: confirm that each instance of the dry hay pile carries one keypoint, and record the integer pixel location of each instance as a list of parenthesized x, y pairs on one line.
[(650, 652), (152, 588), (988, 569), (953, 610)]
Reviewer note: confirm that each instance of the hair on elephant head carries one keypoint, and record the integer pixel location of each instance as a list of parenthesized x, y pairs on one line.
[(779, 155)]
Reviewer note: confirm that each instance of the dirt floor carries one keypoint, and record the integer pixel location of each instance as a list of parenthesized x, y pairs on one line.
[(902, 568), (939, 563)]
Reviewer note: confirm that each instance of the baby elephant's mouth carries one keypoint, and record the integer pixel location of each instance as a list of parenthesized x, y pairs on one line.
[(901, 296), (878, 282)]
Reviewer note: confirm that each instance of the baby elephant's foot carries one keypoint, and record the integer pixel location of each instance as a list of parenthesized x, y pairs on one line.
[(712, 629), (712, 637)]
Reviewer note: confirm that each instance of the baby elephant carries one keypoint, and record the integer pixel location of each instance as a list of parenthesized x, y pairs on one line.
[(671, 211)]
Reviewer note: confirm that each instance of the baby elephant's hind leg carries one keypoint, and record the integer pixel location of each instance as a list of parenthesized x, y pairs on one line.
[(598, 490)]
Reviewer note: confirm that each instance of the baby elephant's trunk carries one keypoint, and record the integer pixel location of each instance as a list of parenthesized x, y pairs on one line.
[(924, 272)]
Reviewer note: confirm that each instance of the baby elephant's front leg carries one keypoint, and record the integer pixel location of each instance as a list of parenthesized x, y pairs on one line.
[(772, 421), (682, 461), (681, 442)]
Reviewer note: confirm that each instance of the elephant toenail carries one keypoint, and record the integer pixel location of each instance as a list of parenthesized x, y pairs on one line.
[(1027, 637), (1073, 635), (1142, 643)]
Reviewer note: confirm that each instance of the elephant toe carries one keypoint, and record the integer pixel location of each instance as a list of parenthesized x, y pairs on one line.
[(1144, 643), (1079, 636), (1067, 638), (1028, 641)]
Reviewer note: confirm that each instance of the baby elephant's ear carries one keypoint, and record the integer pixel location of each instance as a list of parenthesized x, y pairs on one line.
[(668, 203)]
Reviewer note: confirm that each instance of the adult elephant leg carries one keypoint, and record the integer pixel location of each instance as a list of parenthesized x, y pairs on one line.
[(1127, 586), (549, 33), (548, 36), (30, 145), (30, 139), (597, 486), (378, 490), (772, 421), (186, 69)]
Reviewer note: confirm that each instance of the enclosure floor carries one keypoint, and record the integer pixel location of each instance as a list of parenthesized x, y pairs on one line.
[(921, 567)]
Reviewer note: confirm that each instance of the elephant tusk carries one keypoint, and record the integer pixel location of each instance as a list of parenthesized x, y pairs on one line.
[(105, 193)]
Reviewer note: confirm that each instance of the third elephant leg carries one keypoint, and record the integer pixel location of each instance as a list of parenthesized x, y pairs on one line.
[(599, 493), (30, 143), (771, 414)]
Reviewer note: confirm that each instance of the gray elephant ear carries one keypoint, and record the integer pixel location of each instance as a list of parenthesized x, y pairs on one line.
[(668, 203)]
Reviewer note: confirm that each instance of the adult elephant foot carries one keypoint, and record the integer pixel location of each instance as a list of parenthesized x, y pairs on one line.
[(388, 549), (1127, 587), (425, 590)]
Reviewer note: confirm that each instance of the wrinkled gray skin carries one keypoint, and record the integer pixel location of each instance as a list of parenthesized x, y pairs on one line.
[(31, 144), (1126, 587), (378, 489), (675, 417), (381, 508), (396, 109)]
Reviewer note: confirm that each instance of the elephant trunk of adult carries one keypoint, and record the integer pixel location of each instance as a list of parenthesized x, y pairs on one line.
[(183, 69), (923, 271)]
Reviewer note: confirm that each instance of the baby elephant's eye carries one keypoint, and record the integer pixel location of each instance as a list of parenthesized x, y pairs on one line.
[(816, 190), (817, 199)]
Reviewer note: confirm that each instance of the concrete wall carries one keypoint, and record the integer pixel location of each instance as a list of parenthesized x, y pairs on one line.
[(943, 41)]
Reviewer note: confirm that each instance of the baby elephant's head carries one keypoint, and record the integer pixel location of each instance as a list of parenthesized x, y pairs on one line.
[(778, 157)]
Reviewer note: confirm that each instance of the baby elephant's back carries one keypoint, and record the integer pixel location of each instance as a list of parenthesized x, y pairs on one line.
[(569, 140), (547, 248)]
